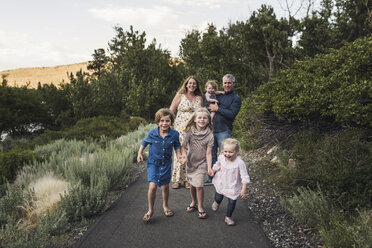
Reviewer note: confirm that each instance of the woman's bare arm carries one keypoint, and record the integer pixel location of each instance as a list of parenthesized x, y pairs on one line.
[(176, 101)]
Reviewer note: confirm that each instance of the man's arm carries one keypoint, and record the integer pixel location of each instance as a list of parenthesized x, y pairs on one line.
[(231, 112)]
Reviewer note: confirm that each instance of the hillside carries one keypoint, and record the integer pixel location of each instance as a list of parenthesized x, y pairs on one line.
[(44, 75)]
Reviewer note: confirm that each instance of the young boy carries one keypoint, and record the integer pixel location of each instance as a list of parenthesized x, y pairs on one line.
[(162, 141)]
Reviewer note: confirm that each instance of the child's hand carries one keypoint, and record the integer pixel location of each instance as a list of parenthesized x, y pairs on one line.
[(139, 158), (210, 172), (215, 100), (243, 193), (182, 159)]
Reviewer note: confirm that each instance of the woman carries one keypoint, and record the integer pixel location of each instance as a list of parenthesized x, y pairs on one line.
[(186, 101)]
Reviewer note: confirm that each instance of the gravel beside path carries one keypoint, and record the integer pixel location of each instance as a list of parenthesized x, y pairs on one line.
[(264, 202)]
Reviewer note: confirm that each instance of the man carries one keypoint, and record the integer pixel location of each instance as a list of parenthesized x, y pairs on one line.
[(226, 111)]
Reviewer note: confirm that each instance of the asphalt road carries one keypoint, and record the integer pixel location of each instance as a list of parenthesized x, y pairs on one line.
[(122, 226)]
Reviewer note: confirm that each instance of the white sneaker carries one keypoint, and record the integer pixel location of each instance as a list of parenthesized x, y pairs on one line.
[(215, 206), (229, 221)]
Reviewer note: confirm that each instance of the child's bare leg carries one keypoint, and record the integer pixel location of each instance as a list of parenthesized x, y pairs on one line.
[(193, 195), (151, 195), (200, 197), (165, 192), (213, 114)]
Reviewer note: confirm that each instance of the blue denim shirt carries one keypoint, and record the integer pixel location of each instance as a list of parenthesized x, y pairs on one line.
[(228, 108), (161, 150)]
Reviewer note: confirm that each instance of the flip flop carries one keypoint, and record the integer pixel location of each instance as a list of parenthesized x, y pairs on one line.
[(176, 185), (202, 215), (190, 208), (168, 213), (147, 217)]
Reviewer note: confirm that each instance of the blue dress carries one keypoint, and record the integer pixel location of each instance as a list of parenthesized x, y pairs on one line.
[(159, 162), (211, 96)]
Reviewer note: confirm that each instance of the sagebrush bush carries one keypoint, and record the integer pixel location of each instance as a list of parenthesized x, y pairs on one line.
[(339, 163), (309, 207), (85, 201), (92, 171), (11, 204), (336, 228)]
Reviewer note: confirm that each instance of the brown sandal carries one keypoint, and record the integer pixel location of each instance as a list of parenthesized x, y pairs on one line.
[(202, 215), (147, 217), (168, 213), (190, 208), (176, 185)]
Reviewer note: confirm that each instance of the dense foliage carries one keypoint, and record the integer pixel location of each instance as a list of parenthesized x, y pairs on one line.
[(335, 86)]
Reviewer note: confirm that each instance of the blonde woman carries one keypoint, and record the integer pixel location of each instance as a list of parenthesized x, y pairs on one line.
[(186, 101)]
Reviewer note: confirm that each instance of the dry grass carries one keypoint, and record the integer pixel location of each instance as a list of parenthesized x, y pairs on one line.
[(44, 75), (47, 192)]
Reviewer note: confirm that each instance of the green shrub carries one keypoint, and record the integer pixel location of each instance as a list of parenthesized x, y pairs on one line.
[(11, 203), (309, 207), (90, 129), (330, 87), (135, 122), (340, 164), (247, 124), (85, 201), (336, 228), (12, 161), (361, 230)]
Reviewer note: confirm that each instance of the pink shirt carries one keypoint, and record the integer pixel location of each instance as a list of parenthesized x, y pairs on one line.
[(230, 177)]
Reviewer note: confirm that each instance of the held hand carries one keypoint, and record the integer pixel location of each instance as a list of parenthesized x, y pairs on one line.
[(213, 107), (210, 172), (139, 158), (182, 159)]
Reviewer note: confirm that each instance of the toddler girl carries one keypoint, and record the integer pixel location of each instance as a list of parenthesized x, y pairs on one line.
[(210, 95), (230, 178), (162, 141), (199, 141)]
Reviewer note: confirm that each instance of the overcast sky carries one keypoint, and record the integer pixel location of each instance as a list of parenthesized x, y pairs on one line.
[(36, 33)]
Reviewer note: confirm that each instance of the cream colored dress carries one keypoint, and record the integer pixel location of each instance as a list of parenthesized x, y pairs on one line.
[(197, 144), (185, 110)]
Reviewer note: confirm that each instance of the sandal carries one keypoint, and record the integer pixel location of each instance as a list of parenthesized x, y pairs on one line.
[(168, 213), (190, 208), (147, 217), (215, 206), (176, 185), (202, 215), (187, 185)]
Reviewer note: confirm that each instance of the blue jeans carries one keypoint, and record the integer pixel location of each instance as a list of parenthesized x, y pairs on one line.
[(217, 146), (230, 206)]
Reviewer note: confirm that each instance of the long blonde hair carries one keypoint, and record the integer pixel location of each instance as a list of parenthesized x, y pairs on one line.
[(183, 88), (191, 122)]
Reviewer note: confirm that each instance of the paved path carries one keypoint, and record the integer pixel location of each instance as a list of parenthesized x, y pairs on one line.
[(122, 226)]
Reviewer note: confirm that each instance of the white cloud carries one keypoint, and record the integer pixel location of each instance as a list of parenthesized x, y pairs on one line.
[(159, 22), (157, 16), (211, 4), (22, 50)]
